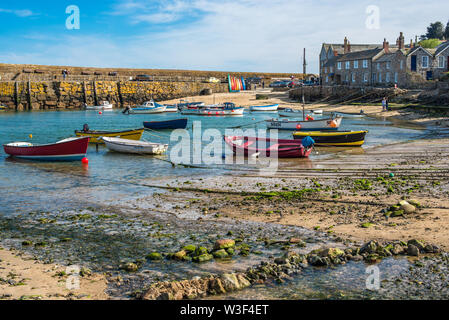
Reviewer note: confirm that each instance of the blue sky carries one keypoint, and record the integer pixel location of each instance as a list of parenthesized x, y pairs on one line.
[(245, 35)]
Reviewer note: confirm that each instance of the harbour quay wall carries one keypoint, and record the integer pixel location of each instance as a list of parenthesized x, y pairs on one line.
[(47, 95)]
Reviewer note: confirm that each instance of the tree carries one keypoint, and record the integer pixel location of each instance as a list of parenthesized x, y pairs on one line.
[(446, 32), (435, 31)]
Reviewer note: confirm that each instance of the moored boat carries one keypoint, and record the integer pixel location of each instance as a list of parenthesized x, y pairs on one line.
[(282, 148), (134, 147), (104, 105), (226, 109), (273, 107), (311, 125), (168, 124), (148, 107), (290, 113), (71, 149), (336, 138), (95, 135)]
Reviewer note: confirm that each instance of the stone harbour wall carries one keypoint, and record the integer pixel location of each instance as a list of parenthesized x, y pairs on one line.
[(46, 95)]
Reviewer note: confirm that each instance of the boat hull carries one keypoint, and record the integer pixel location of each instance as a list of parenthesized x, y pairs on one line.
[(169, 124), (273, 107), (335, 139), (312, 125), (70, 150), (281, 148), (134, 147), (213, 112), (95, 136), (161, 109)]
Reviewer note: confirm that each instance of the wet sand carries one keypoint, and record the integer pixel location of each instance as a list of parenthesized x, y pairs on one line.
[(24, 278)]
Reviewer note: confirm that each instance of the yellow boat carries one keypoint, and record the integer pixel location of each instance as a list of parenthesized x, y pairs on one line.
[(334, 138), (134, 134)]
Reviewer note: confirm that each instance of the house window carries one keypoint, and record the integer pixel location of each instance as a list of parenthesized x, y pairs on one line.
[(339, 66), (353, 77), (374, 77), (365, 77), (348, 65), (380, 77), (331, 69), (365, 64), (388, 65), (327, 78), (325, 70), (378, 66), (402, 64), (425, 61), (387, 77), (347, 77), (441, 62), (396, 77), (356, 64)]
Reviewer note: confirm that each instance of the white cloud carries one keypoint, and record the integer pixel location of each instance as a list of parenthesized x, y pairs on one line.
[(248, 35), (20, 13)]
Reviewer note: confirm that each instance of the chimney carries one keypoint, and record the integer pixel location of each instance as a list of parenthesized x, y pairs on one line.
[(411, 44), (386, 46), (401, 44), (346, 46)]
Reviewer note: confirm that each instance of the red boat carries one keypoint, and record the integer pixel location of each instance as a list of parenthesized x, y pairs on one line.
[(71, 149), (252, 145)]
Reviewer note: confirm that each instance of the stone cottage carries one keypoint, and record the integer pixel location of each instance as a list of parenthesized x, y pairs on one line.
[(429, 63)]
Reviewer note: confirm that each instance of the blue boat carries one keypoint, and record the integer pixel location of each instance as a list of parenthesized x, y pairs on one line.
[(168, 124)]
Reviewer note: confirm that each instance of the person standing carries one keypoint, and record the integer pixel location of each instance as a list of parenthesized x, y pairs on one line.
[(384, 104), (263, 84)]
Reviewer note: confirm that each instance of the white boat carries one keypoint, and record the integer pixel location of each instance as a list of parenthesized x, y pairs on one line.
[(290, 113), (104, 105), (273, 107), (147, 108), (317, 111), (311, 125), (133, 146), (226, 109), (171, 108)]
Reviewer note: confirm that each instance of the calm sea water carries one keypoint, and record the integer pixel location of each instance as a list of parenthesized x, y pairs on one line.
[(112, 177)]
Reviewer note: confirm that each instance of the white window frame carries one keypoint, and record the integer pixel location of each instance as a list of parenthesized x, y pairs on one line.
[(365, 77), (388, 65), (327, 78), (356, 64), (339, 66), (441, 62), (365, 64), (378, 66), (380, 77), (396, 77), (325, 69), (426, 59), (387, 77), (402, 64), (348, 65), (331, 69), (353, 77)]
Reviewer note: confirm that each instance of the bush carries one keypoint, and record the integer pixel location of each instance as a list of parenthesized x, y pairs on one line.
[(429, 43)]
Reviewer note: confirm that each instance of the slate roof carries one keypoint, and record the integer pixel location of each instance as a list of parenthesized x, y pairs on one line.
[(442, 47), (366, 54), (340, 48)]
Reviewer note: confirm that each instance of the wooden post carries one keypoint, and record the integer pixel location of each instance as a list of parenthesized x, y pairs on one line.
[(95, 92), (16, 94), (84, 92), (29, 95), (119, 90)]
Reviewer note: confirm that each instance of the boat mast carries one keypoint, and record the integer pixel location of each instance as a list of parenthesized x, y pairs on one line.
[(304, 69)]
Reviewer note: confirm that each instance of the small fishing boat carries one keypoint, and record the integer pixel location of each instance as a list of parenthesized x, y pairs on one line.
[(171, 108), (335, 139), (225, 109), (71, 149), (104, 105), (95, 135), (283, 148), (168, 124), (311, 125), (134, 147), (361, 114), (148, 107), (3, 108), (290, 113), (184, 104), (273, 107), (317, 111)]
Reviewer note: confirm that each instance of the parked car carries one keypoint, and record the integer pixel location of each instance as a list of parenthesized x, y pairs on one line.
[(254, 80), (143, 77), (280, 84)]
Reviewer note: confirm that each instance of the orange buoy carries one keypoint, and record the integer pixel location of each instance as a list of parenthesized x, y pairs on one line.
[(100, 112), (333, 124), (85, 160), (298, 126)]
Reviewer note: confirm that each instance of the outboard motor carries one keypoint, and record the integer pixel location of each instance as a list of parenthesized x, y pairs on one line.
[(308, 142)]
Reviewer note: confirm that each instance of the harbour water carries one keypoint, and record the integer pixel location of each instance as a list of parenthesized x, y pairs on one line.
[(72, 196)]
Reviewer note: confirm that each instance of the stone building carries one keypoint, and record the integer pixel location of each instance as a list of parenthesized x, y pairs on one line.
[(429, 63), (364, 65)]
